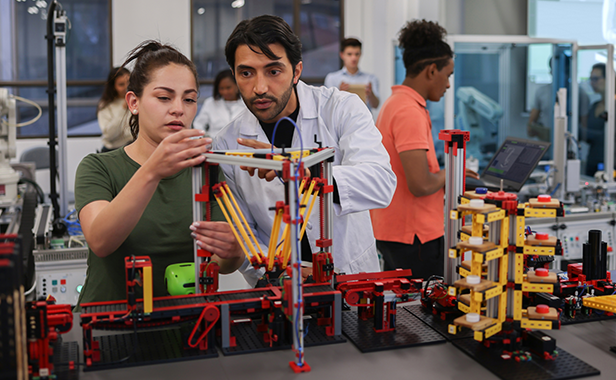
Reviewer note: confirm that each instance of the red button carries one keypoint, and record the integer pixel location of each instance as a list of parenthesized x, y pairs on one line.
[(62, 282), (540, 236), (577, 238), (544, 198), (542, 309), (609, 249), (542, 272)]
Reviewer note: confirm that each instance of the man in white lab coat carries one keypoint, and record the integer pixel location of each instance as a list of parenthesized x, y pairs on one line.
[(265, 57)]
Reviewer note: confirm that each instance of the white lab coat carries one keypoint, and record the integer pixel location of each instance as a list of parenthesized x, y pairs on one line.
[(215, 114), (361, 169)]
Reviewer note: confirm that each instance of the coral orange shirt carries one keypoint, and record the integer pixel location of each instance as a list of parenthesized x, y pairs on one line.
[(405, 125)]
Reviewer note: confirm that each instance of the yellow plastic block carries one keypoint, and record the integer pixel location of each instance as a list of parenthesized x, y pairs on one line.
[(453, 253), (534, 324), (540, 213), (517, 305), (494, 254), (497, 215), (478, 336), (606, 303), (539, 250), (519, 268), (452, 329), (147, 290), (452, 291), (492, 330), (454, 214), (520, 236), (463, 308), (537, 288)]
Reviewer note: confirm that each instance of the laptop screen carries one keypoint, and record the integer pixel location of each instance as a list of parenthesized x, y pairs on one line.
[(514, 161)]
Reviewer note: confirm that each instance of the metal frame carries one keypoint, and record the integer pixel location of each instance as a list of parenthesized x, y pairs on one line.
[(610, 106), (504, 89)]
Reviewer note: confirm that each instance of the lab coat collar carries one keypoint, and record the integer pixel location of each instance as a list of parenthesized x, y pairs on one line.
[(308, 110)]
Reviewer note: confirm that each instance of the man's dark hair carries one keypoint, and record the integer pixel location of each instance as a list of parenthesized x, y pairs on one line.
[(260, 32), (349, 42), (599, 66), (423, 44)]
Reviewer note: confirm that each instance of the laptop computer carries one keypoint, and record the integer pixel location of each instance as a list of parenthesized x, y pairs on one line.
[(513, 162)]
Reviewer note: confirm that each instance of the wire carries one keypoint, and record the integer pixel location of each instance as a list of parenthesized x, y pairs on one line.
[(31, 289), (25, 123), (39, 191)]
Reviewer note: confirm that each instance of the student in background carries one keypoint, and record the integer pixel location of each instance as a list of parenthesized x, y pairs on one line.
[(350, 53), (222, 107), (112, 112), (410, 231)]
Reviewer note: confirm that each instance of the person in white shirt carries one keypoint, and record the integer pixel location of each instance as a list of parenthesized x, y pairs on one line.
[(350, 53), (224, 105), (265, 56), (112, 112)]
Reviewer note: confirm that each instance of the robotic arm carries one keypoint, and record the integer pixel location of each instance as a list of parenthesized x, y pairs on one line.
[(473, 104), (8, 125)]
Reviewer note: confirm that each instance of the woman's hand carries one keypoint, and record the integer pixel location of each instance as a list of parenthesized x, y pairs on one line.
[(217, 238), (178, 151)]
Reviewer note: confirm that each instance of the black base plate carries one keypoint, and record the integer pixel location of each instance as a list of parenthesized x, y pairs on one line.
[(249, 340), (68, 352), (155, 346), (437, 323), (410, 331), (565, 366), (583, 318)]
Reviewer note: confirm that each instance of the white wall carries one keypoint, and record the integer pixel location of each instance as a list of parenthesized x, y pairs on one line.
[(133, 21)]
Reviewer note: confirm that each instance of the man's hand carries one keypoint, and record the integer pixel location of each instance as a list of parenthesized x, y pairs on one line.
[(471, 174), (344, 86), (265, 174)]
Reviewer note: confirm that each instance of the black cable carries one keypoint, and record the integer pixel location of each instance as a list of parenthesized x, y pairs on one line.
[(39, 191)]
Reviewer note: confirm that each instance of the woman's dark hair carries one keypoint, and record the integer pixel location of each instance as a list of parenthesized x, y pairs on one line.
[(109, 92), (149, 56), (259, 32), (219, 77), (423, 44)]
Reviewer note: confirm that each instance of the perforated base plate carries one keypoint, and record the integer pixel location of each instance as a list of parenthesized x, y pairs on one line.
[(583, 318), (249, 340), (410, 331), (437, 323), (152, 347), (565, 366), (68, 352)]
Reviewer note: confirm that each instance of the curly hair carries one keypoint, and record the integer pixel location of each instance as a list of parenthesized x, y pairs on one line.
[(423, 43)]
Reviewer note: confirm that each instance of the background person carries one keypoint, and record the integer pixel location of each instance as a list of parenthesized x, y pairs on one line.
[(137, 200), (410, 231), (350, 53), (112, 112), (222, 107)]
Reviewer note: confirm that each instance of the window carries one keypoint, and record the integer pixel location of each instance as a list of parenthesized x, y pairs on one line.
[(23, 60), (318, 25)]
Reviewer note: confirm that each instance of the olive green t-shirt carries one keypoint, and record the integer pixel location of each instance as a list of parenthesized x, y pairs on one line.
[(162, 233)]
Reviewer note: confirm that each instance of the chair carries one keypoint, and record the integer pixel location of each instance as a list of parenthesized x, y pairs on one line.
[(39, 155)]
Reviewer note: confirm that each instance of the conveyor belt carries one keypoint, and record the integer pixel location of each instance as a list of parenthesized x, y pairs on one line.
[(318, 289), (257, 293)]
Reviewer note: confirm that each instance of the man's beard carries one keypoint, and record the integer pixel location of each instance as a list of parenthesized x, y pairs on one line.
[(278, 105)]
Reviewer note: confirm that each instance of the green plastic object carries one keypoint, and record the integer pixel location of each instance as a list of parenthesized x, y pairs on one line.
[(180, 279)]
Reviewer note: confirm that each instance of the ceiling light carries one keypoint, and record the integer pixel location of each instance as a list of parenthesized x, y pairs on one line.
[(237, 4), (33, 10), (201, 11)]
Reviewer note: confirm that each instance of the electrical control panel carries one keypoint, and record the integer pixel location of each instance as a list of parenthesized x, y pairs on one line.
[(572, 231), (60, 273)]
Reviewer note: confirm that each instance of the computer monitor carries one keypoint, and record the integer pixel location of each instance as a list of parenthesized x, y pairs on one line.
[(513, 162)]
